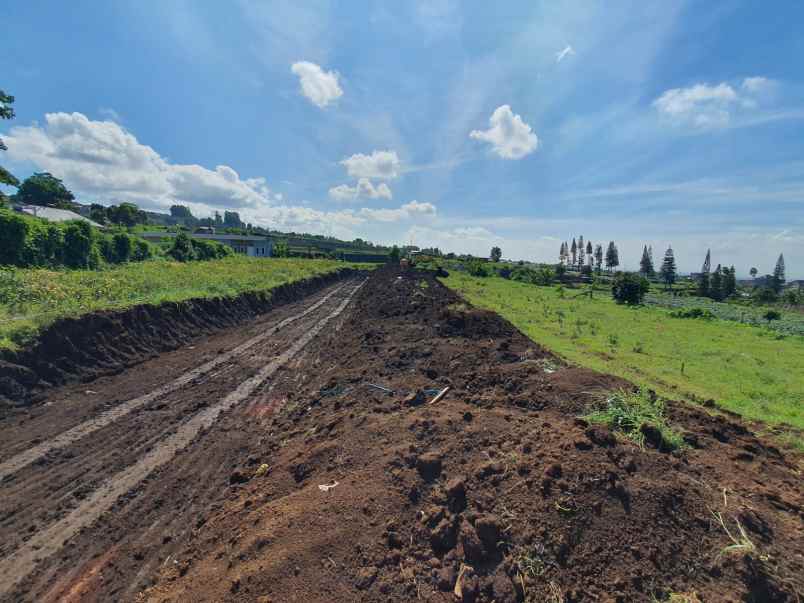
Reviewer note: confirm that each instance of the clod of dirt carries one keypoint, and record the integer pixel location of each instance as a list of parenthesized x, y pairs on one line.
[(456, 494), (472, 547), (601, 436), (489, 530), (429, 465), (238, 477), (443, 536), (365, 577)]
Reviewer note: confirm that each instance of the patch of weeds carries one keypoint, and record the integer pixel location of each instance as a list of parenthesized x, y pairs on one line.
[(672, 597), (614, 340), (423, 284), (741, 544), (639, 415), (530, 562), (638, 348)]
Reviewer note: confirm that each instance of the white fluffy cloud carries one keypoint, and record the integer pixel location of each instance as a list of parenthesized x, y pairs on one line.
[(408, 211), (708, 106), (383, 165), (102, 159), (319, 86), (510, 137), (364, 189)]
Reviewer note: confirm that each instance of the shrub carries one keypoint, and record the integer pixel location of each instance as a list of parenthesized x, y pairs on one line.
[(142, 250), (182, 249), (123, 247), (772, 315), (703, 313), (13, 233), (78, 246), (476, 268), (766, 295), (210, 250), (629, 288)]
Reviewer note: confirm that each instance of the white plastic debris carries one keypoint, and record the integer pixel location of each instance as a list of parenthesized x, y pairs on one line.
[(327, 487)]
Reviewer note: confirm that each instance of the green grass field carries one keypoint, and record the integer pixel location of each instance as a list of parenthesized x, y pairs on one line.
[(747, 369), (33, 298)]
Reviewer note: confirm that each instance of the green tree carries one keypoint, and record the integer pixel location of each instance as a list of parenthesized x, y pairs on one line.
[(704, 279), (753, 272), (97, 213), (612, 257), (496, 254), (281, 249), (668, 270), (646, 263), (778, 280), (716, 285), (180, 211), (6, 112), (46, 190), (629, 288), (123, 247), (182, 249), (80, 250), (598, 258), (126, 214), (574, 251), (393, 257), (13, 233), (729, 282), (589, 253), (231, 219)]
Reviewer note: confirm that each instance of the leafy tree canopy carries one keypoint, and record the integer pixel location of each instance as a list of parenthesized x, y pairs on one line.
[(46, 190)]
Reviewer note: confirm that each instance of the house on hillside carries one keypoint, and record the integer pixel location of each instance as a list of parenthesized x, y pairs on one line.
[(53, 214), (252, 246)]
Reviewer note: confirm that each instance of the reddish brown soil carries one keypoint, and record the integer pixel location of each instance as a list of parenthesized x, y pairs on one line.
[(105, 343), (499, 478)]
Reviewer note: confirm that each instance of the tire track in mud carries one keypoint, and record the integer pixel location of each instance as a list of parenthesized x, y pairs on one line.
[(46, 543), (108, 417)]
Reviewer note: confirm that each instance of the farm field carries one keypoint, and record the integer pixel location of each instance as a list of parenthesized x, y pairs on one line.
[(746, 369), (31, 299)]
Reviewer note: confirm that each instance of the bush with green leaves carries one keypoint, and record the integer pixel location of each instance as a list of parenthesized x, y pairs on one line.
[(703, 313), (476, 268), (26, 242), (629, 288)]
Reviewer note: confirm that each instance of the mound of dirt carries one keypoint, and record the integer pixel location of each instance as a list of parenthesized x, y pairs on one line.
[(104, 343), (498, 492)]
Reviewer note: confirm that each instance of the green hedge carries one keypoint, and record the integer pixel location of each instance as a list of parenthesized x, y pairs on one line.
[(29, 242)]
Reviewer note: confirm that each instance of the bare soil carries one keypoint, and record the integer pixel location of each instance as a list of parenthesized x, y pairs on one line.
[(498, 492)]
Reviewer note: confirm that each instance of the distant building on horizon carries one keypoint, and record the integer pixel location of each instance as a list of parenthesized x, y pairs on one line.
[(53, 214), (252, 246)]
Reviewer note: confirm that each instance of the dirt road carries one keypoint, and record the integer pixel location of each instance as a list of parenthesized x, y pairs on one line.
[(310, 466), (66, 467)]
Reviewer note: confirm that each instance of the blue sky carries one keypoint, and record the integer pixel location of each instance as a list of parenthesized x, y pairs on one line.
[(456, 124)]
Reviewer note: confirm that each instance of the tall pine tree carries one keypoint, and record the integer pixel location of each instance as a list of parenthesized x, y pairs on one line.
[(589, 253), (581, 249), (646, 263), (716, 285), (574, 250), (612, 257), (778, 275), (668, 270), (703, 279), (729, 282), (598, 257)]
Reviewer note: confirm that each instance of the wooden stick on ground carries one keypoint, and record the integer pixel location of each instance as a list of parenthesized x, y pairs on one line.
[(440, 395)]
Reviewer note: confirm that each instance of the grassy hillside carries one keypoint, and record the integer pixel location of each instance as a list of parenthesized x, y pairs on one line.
[(747, 369), (33, 298)]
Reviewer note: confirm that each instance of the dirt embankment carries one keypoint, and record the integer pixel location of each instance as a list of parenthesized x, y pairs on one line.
[(104, 343), (498, 492)]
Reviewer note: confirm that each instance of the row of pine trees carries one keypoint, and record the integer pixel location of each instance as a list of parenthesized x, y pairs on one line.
[(583, 254), (717, 284)]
